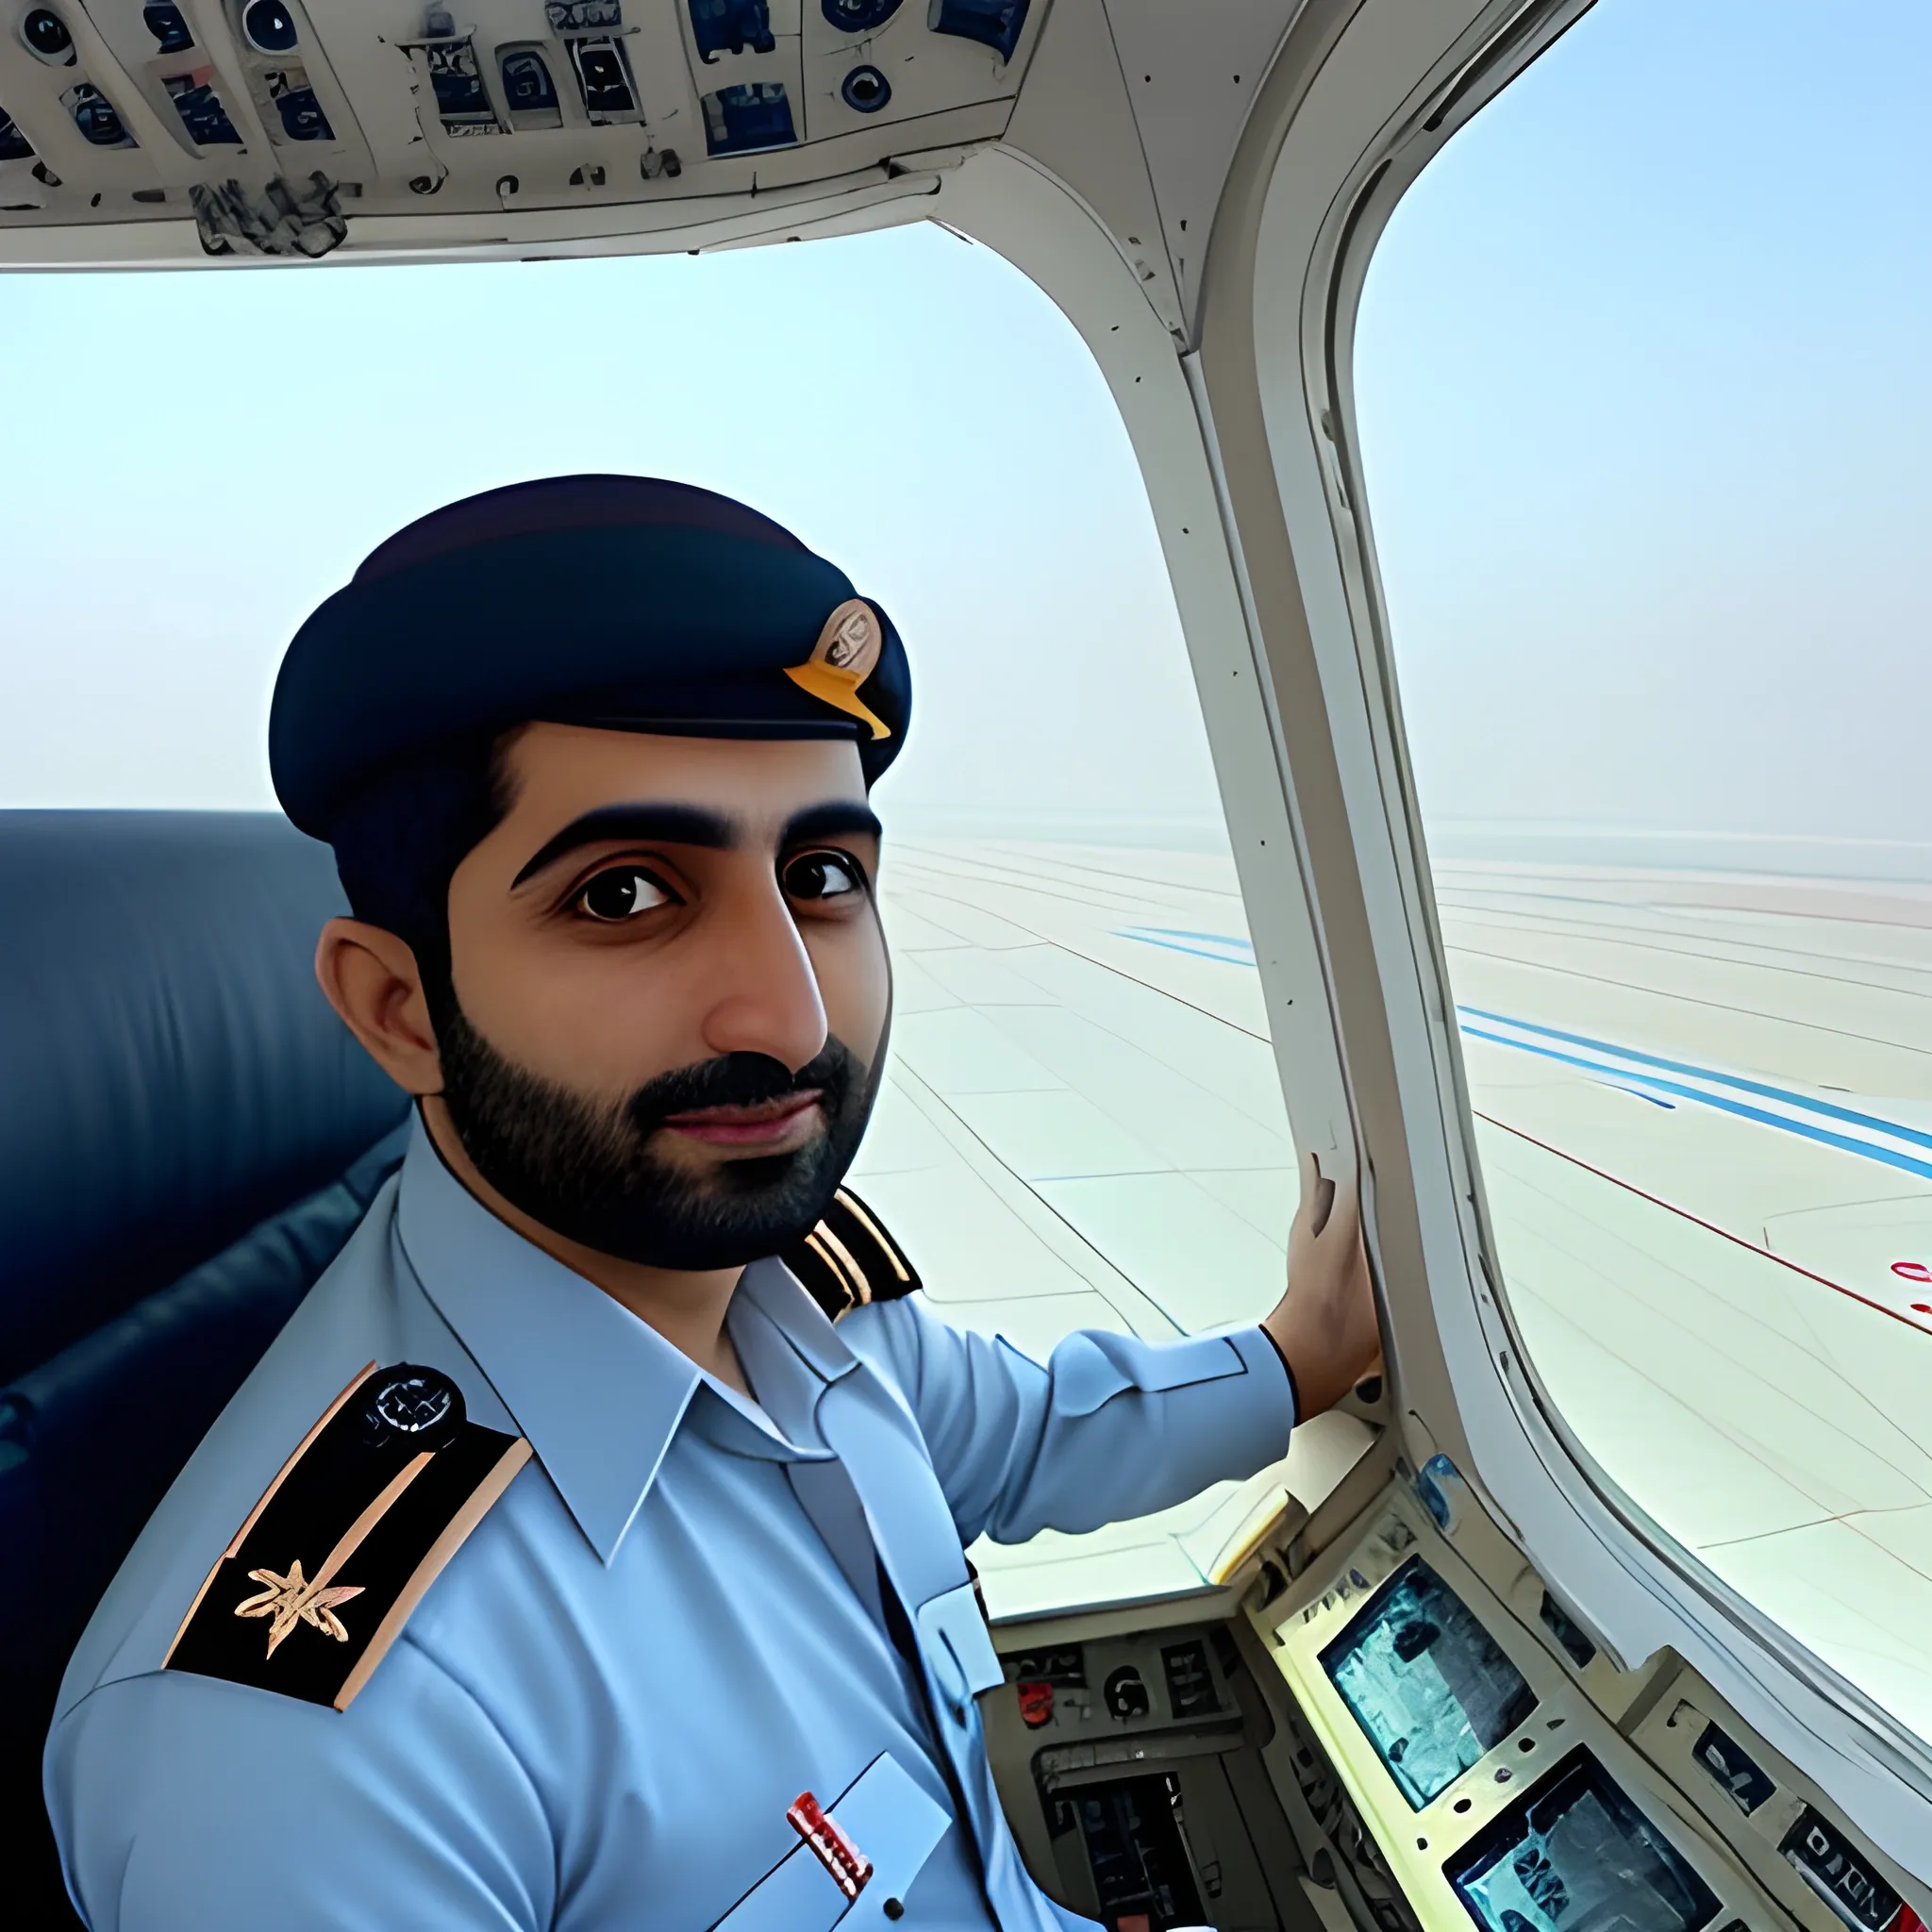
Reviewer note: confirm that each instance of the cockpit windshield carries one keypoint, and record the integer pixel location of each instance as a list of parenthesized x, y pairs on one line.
[(1083, 1123)]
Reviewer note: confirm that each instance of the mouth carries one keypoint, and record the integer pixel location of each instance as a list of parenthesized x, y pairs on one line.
[(772, 1126)]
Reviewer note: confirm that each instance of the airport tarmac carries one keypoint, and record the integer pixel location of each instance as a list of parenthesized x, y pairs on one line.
[(1704, 1111)]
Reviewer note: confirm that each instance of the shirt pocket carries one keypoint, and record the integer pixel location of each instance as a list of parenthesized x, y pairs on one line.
[(890, 1821)]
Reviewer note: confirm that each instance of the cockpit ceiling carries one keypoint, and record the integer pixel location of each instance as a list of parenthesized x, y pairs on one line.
[(271, 126)]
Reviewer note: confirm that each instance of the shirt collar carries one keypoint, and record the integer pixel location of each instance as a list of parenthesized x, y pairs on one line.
[(599, 1394), (788, 1350)]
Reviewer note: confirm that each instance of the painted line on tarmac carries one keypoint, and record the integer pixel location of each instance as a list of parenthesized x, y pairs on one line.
[(1633, 1061), (1736, 1240), (1869, 1136), (1647, 1076), (1224, 947)]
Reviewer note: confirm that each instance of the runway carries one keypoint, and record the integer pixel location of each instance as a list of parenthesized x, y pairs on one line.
[(1704, 1109), (1082, 1129), (1704, 1112)]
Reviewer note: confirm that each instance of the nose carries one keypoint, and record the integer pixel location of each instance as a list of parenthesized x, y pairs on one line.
[(764, 993)]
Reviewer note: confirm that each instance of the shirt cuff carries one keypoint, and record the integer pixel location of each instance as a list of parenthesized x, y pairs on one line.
[(1294, 1393)]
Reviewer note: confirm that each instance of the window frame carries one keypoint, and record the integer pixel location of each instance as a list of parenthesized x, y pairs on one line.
[(1360, 101)]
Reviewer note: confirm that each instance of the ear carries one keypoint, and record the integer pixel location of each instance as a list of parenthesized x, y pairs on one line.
[(371, 980)]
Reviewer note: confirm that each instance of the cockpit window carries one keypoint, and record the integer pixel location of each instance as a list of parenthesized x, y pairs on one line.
[(1643, 407), (1083, 1123)]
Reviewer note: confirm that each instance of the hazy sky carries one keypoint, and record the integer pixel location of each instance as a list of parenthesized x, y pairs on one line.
[(194, 460), (1645, 391), (1642, 384)]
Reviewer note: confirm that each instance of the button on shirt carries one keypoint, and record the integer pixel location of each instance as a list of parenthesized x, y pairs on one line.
[(670, 1626)]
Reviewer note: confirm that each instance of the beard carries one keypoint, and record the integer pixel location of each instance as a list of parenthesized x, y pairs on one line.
[(584, 1169)]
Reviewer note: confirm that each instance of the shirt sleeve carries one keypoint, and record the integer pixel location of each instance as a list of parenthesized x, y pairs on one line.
[(1110, 1427), (183, 1801)]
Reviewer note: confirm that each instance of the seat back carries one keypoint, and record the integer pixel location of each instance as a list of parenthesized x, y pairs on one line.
[(188, 1135)]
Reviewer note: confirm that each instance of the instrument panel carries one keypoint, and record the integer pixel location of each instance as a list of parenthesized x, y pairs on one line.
[(1518, 1779)]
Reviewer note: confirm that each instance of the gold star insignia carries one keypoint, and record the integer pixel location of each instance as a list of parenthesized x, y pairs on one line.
[(292, 1599)]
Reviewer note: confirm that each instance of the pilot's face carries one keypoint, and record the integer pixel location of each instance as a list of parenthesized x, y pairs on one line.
[(674, 989)]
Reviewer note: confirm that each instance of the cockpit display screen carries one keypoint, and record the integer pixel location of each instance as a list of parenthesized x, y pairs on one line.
[(1427, 1682), (1576, 1852)]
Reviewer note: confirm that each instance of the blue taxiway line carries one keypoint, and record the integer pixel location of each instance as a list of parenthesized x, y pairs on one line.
[(1647, 1076)]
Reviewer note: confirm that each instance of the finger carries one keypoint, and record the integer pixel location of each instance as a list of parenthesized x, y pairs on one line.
[(1341, 1219), (1310, 1195), (1324, 1206), (1347, 1211)]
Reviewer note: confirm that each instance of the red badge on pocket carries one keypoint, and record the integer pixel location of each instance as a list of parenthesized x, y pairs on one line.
[(849, 1867)]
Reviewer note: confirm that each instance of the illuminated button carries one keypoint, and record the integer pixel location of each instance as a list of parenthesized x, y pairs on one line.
[(1748, 1786), (1841, 1874), (1126, 1695)]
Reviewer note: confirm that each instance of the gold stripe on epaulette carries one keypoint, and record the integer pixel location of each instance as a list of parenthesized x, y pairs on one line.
[(857, 1210), (815, 1241), (292, 1598), (844, 1254), (482, 1499)]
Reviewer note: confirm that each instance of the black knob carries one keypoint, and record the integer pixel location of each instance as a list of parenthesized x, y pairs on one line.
[(269, 25), (865, 90), (46, 34)]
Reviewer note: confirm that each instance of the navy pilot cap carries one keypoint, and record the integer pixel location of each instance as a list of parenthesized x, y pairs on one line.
[(626, 603)]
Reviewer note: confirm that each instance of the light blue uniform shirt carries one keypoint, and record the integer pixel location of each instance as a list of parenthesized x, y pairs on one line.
[(668, 1627)]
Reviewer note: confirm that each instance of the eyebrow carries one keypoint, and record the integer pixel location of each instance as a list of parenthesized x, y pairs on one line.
[(671, 825), (836, 819), (693, 824)]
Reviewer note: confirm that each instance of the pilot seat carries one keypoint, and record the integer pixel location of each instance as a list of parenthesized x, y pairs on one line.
[(188, 1138)]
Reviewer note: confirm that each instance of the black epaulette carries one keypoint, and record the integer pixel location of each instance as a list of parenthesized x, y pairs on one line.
[(849, 1258), (321, 1578)]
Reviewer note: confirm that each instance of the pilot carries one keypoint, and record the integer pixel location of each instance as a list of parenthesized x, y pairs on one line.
[(565, 1563)]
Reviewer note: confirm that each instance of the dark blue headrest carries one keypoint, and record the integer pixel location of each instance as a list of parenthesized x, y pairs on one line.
[(181, 1118), (170, 1072)]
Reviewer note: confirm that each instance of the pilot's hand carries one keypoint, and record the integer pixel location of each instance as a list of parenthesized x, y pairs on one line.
[(1325, 1325)]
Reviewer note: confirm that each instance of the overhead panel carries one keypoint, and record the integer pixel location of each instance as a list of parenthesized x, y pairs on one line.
[(275, 124), (873, 61)]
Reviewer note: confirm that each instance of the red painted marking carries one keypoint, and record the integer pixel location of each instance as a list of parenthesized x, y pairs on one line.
[(1711, 1227), (1912, 1271), (848, 1866)]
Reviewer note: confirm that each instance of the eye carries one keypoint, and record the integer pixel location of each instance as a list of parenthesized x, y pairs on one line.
[(622, 892), (819, 876)]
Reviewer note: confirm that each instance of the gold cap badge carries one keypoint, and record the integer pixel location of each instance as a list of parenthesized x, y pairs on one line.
[(844, 657)]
